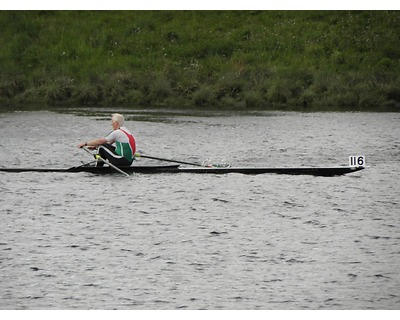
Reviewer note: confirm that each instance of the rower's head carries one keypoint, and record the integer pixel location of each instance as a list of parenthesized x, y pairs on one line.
[(117, 120)]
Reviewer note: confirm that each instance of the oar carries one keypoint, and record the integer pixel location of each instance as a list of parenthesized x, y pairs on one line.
[(139, 155), (105, 161)]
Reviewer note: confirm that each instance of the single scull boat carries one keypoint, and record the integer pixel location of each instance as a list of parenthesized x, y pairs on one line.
[(315, 171)]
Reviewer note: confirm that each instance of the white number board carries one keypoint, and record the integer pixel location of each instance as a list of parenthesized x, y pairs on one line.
[(356, 161)]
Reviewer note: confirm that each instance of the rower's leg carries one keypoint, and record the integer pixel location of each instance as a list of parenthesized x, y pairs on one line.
[(106, 151)]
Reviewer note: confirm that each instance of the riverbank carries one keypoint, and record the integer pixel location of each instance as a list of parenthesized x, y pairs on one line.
[(232, 60)]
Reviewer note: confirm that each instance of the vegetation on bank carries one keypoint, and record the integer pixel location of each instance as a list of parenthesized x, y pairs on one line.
[(291, 60)]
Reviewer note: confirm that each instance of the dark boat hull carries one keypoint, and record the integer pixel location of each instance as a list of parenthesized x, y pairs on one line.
[(326, 171), (315, 171), (100, 170)]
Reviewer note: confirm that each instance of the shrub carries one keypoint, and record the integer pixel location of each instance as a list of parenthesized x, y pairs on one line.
[(160, 88), (279, 93), (60, 90), (204, 96), (253, 100), (10, 87)]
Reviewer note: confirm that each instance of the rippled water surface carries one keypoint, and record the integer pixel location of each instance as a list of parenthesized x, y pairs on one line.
[(185, 241)]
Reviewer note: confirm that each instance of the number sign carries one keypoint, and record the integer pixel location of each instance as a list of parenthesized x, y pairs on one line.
[(356, 161)]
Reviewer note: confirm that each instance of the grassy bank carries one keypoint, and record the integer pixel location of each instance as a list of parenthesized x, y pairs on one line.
[(292, 60)]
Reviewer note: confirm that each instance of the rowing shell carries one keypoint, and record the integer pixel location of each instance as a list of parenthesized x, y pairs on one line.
[(315, 171)]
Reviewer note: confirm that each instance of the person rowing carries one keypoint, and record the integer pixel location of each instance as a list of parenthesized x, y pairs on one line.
[(120, 155)]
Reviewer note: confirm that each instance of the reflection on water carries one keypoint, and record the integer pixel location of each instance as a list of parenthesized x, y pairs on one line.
[(82, 241)]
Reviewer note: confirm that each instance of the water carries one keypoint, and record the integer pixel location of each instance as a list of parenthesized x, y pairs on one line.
[(181, 241)]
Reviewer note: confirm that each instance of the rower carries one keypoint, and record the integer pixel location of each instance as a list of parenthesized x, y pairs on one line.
[(122, 153)]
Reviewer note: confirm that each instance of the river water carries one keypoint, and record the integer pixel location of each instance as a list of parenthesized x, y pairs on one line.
[(186, 241)]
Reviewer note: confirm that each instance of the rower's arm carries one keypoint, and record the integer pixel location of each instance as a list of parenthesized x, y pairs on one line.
[(93, 143)]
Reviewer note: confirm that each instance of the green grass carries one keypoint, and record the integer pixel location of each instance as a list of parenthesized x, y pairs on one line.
[(291, 60)]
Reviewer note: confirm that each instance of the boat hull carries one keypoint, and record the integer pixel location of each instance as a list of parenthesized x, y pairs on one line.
[(100, 170), (315, 171)]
